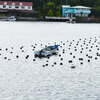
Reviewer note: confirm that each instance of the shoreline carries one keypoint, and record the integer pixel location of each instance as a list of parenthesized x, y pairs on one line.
[(77, 20)]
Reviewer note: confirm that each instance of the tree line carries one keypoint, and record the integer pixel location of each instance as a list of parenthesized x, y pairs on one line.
[(53, 7)]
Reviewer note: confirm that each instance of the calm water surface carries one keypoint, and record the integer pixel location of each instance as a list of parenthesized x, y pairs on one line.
[(25, 79)]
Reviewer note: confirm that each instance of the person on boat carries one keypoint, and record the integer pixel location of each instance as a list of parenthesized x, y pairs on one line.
[(56, 46), (41, 52)]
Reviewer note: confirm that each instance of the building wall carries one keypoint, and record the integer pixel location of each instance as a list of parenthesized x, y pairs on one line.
[(82, 12), (16, 7)]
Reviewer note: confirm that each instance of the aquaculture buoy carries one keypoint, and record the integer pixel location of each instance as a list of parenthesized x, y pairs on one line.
[(61, 58), (52, 65), (80, 51), (5, 57), (88, 60), (86, 54), (43, 65), (75, 49), (86, 47), (6, 49), (11, 52), (81, 63), (80, 58), (73, 56), (70, 53), (55, 63), (9, 59), (95, 58), (27, 56), (59, 55), (97, 48), (72, 66), (89, 50), (17, 56), (89, 56), (61, 63), (70, 61), (22, 50), (46, 64), (33, 59)]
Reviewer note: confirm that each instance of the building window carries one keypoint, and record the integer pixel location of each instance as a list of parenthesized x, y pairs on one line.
[(10, 6), (29, 7), (16, 6), (4, 6), (22, 7)]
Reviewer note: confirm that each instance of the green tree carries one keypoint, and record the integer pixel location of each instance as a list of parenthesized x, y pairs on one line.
[(50, 13)]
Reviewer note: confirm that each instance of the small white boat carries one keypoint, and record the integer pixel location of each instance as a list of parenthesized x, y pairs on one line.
[(12, 18)]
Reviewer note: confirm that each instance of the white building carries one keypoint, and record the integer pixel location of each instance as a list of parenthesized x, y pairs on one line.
[(10, 5)]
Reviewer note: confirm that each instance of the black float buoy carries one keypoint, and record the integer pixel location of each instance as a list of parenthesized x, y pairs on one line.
[(22, 50), (61, 58), (81, 63), (6, 49), (97, 48), (80, 58), (9, 59), (27, 56), (5, 57), (34, 60), (70, 53), (86, 47), (59, 55), (86, 54), (48, 57), (95, 58), (11, 52), (88, 60), (43, 65), (55, 63), (17, 56), (89, 50), (61, 63), (46, 64), (52, 65), (89, 56), (70, 61), (73, 66), (80, 51), (73, 56), (12, 48), (75, 49)]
